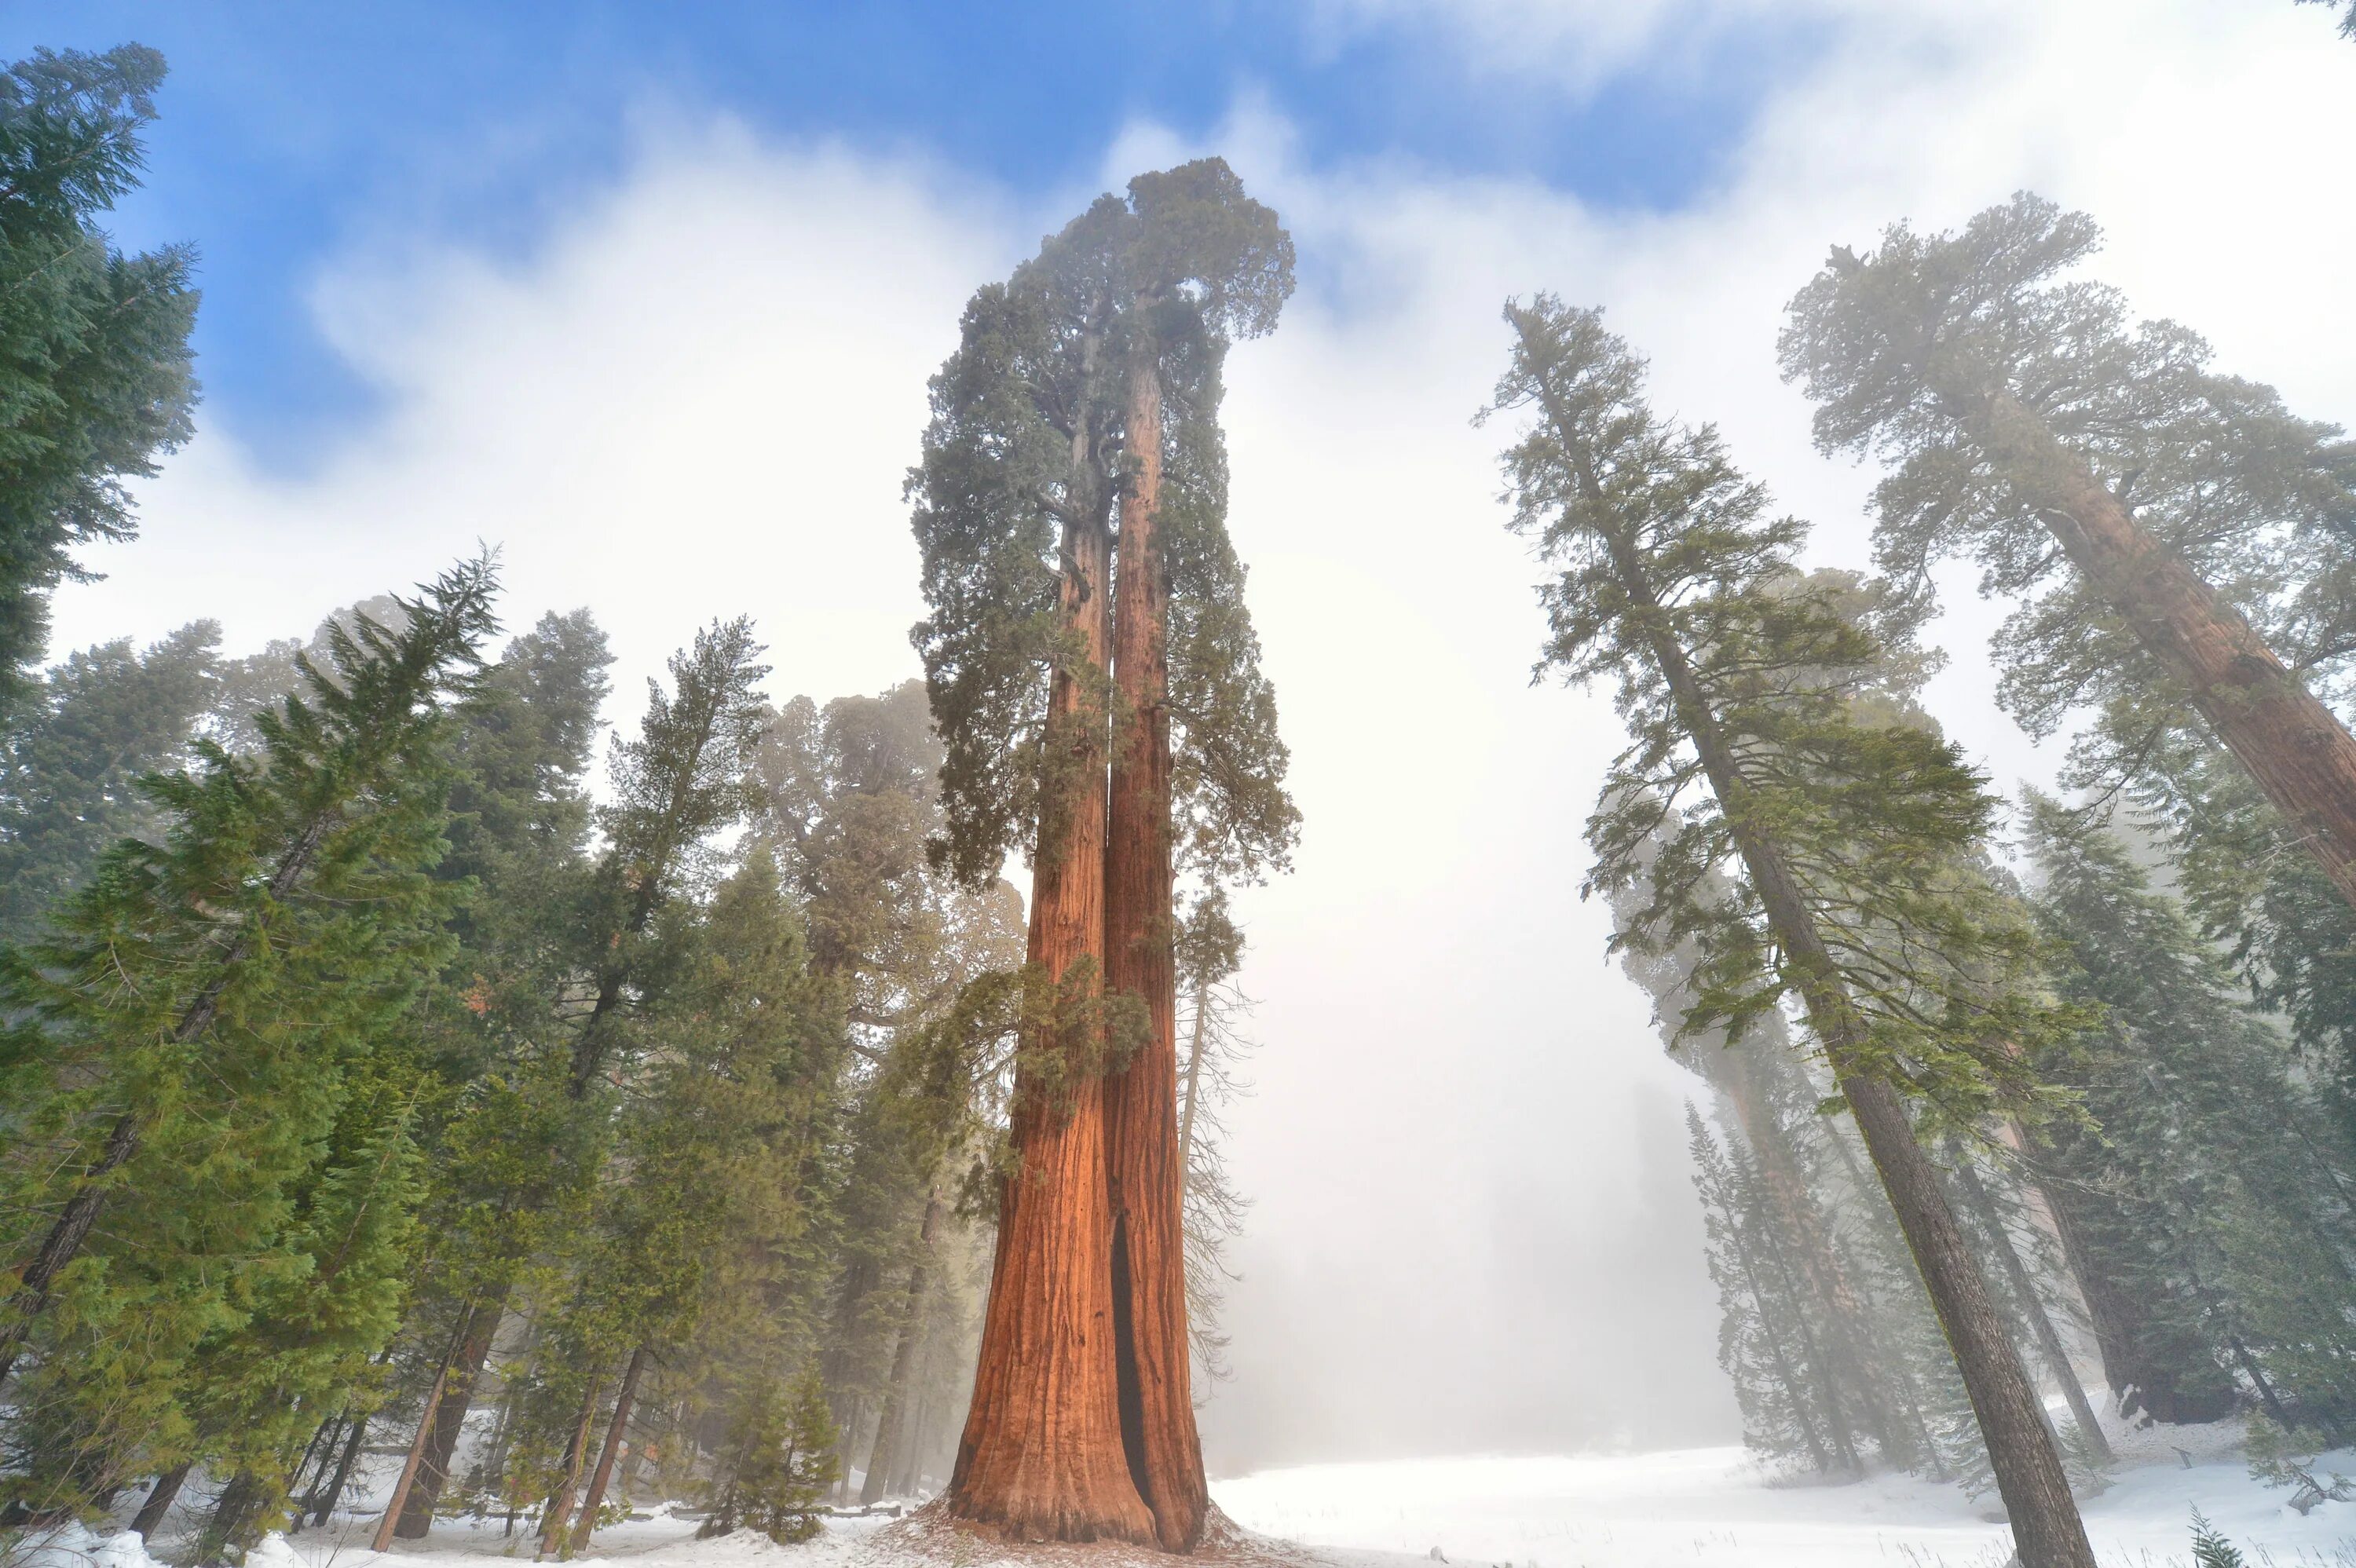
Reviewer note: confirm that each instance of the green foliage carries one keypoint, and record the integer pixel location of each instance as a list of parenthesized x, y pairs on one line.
[(1904, 352), (1667, 567), (2209, 1549), (683, 780), (310, 1348), (2346, 19), (70, 765), (94, 361), (2214, 1197), (775, 1462), (1767, 1352), (1026, 447), (187, 1040), (2283, 1457)]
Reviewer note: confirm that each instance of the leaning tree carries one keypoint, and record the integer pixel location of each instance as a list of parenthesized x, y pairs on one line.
[(1121, 732), (2179, 537), (1818, 854)]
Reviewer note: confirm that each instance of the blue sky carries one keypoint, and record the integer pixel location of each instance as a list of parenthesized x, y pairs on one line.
[(288, 128)]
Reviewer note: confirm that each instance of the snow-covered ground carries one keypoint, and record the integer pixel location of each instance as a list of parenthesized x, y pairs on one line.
[(1710, 1508), (1703, 1508)]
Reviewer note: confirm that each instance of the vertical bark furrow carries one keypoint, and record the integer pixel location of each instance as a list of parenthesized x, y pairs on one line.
[(1042, 1455), (1142, 1098)]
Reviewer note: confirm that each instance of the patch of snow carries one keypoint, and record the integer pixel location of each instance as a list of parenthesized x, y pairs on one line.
[(1713, 1507), (77, 1546)]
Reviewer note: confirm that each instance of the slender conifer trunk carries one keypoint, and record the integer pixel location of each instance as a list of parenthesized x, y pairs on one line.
[(559, 1511), (1819, 1263), (2047, 1530), (1737, 1233), (159, 1502), (1148, 1179), (398, 1501), (2294, 748), (615, 1430), (445, 1417), (1042, 1455), (908, 1468), (2041, 1322), (889, 1436), (334, 1491)]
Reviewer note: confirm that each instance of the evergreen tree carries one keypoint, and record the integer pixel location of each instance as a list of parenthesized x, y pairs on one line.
[(1738, 688), (851, 801), (2179, 537), (1210, 950), (721, 1153), (775, 1463), (187, 1035), (1091, 378), (310, 1348), (70, 765), (1763, 1344), (2211, 1209), (94, 360), (683, 780)]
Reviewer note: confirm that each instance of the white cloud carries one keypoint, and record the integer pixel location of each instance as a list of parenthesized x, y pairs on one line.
[(696, 397), (699, 394)]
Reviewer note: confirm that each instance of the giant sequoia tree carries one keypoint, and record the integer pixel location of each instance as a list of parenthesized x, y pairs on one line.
[(2184, 536), (1741, 685), (1119, 743)]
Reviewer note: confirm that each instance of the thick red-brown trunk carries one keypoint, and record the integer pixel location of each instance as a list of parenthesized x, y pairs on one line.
[(1143, 1166), (2294, 747), (1042, 1455)]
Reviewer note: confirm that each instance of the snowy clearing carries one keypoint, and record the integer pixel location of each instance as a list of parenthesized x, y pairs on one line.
[(1711, 1507), (1700, 1508)]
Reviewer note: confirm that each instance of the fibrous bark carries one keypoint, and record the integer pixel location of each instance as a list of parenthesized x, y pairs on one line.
[(1146, 1174), (1042, 1455)]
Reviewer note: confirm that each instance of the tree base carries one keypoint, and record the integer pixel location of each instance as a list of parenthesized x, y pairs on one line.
[(932, 1535)]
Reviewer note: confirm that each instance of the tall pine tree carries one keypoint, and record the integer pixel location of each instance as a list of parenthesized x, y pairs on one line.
[(1739, 691)]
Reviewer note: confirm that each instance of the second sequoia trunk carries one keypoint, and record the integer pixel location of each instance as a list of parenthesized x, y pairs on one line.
[(1042, 1455), (1145, 1173)]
